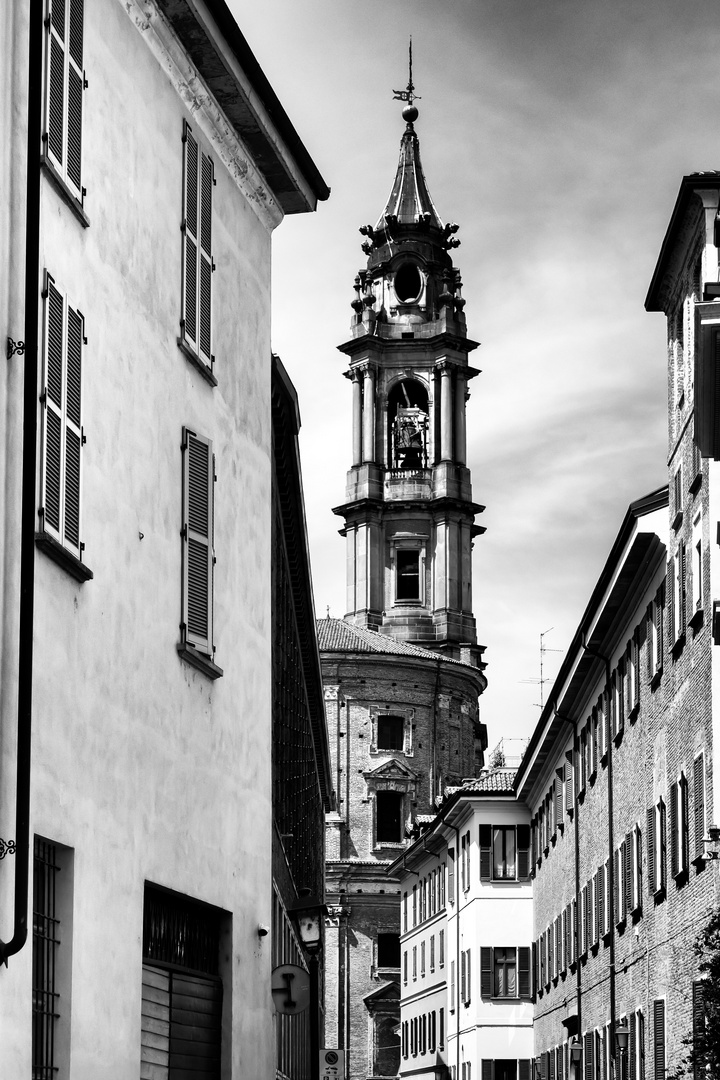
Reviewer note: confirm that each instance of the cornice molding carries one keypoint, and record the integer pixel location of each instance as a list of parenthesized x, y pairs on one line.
[(164, 45)]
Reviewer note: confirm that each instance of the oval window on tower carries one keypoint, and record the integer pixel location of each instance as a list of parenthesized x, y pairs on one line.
[(408, 283)]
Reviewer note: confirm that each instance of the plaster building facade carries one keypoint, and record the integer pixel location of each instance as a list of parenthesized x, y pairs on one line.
[(403, 670), (145, 165), (467, 919)]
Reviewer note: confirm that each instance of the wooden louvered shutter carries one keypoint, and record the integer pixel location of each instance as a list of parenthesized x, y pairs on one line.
[(451, 875), (523, 852), (558, 945), (73, 430), (541, 953), (670, 594), (682, 589), (559, 794), (662, 846), (589, 1048), (468, 977), (650, 632), (632, 1048), (534, 963), (206, 261), (75, 90), (62, 420), (699, 803), (64, 91), (486, 853), (698, 1033), (486, 1070), (650, 837), (598, 914), (566, 949), (659, 626), (617, 886), (190, 240), (524, 1069), (486, 972), (628, 875), (573, 930), (523, 972), (54, 402), (674, 863), (637, 867), (550, 1065), (198, 476), (640, 1045), (684, 815), (659, 1038), (569, 787), (463, 988)]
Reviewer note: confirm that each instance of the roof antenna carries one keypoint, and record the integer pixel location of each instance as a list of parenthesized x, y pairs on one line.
[(410, 112)]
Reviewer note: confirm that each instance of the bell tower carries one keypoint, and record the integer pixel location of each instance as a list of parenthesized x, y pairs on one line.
[(409, 515)]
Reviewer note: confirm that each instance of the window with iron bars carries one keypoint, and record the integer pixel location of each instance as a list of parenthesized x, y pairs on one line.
[(45, 996)]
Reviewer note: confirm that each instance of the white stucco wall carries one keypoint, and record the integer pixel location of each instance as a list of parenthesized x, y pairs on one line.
[(143, 766)]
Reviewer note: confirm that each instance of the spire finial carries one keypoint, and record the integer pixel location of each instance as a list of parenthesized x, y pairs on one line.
[(410, 113)]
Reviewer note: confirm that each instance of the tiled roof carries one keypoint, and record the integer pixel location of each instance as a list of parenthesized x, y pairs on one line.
[(338, 635), (489, 780)]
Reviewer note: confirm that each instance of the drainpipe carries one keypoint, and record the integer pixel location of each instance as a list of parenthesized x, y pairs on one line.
[(27, 541), (576, 828), (611, 845)]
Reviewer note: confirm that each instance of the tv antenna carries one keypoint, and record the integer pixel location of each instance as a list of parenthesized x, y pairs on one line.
[(543, 679)]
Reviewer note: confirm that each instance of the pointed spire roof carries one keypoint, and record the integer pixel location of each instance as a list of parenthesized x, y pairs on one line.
[(410, 202)]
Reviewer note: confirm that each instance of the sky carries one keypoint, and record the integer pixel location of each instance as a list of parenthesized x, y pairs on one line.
[(555, 133)]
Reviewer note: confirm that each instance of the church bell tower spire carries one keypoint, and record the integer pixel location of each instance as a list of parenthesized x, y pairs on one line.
[(409, 515)]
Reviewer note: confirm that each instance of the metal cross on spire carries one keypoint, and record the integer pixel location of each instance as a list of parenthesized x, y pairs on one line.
[(408, 95)]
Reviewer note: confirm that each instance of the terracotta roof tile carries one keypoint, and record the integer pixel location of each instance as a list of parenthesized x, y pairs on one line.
[(339, 635), (489, 780)]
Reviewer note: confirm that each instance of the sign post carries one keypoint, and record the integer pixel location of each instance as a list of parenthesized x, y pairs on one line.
[(332, 1064)]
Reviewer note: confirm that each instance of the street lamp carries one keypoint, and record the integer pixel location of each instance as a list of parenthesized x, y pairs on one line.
[(575, 1051), (622, 1036), (309, 912)]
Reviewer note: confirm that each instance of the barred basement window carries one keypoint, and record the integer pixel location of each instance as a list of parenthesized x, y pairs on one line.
[(198, 265), (45, 997), (64, 90)]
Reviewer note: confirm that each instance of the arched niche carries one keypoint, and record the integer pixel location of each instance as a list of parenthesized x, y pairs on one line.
[(407, 415)]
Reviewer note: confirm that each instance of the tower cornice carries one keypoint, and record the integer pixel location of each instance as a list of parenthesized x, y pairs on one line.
[(420, 344)]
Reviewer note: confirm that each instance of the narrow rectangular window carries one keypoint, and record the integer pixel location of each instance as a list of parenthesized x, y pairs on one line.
[(452, 986), (659, 1038), (422, 959), (407, 574), (699, 805), (441, 948), (698, 1032), (505, 973), (48, 1010), (432, 953), (197, 536), (198, 264), (697, 566), (62, 432), (389, 819), (451, 875), (64, 90), (504, 854)]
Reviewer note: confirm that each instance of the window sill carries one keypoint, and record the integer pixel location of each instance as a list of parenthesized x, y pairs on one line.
[(697, 620), (64, 558), (194, 358), (199, 661), (67, 196), (678, 645), (655, 680)]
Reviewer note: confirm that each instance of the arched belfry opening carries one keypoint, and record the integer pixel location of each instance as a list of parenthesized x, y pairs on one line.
[(408, 416)]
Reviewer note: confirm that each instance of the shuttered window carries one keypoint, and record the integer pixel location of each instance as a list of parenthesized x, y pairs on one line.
[(198, 265), (64, 89), (659, 1038), (698, 1034), (197, 535), (679, 836), (523, 852), (698, 805), (589, 1047), (62, 437)]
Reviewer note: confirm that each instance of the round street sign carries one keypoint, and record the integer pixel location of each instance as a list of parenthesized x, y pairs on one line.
[(290, 989)]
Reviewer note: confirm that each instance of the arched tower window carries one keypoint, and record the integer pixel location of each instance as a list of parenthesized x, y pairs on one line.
[(408, 425)]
